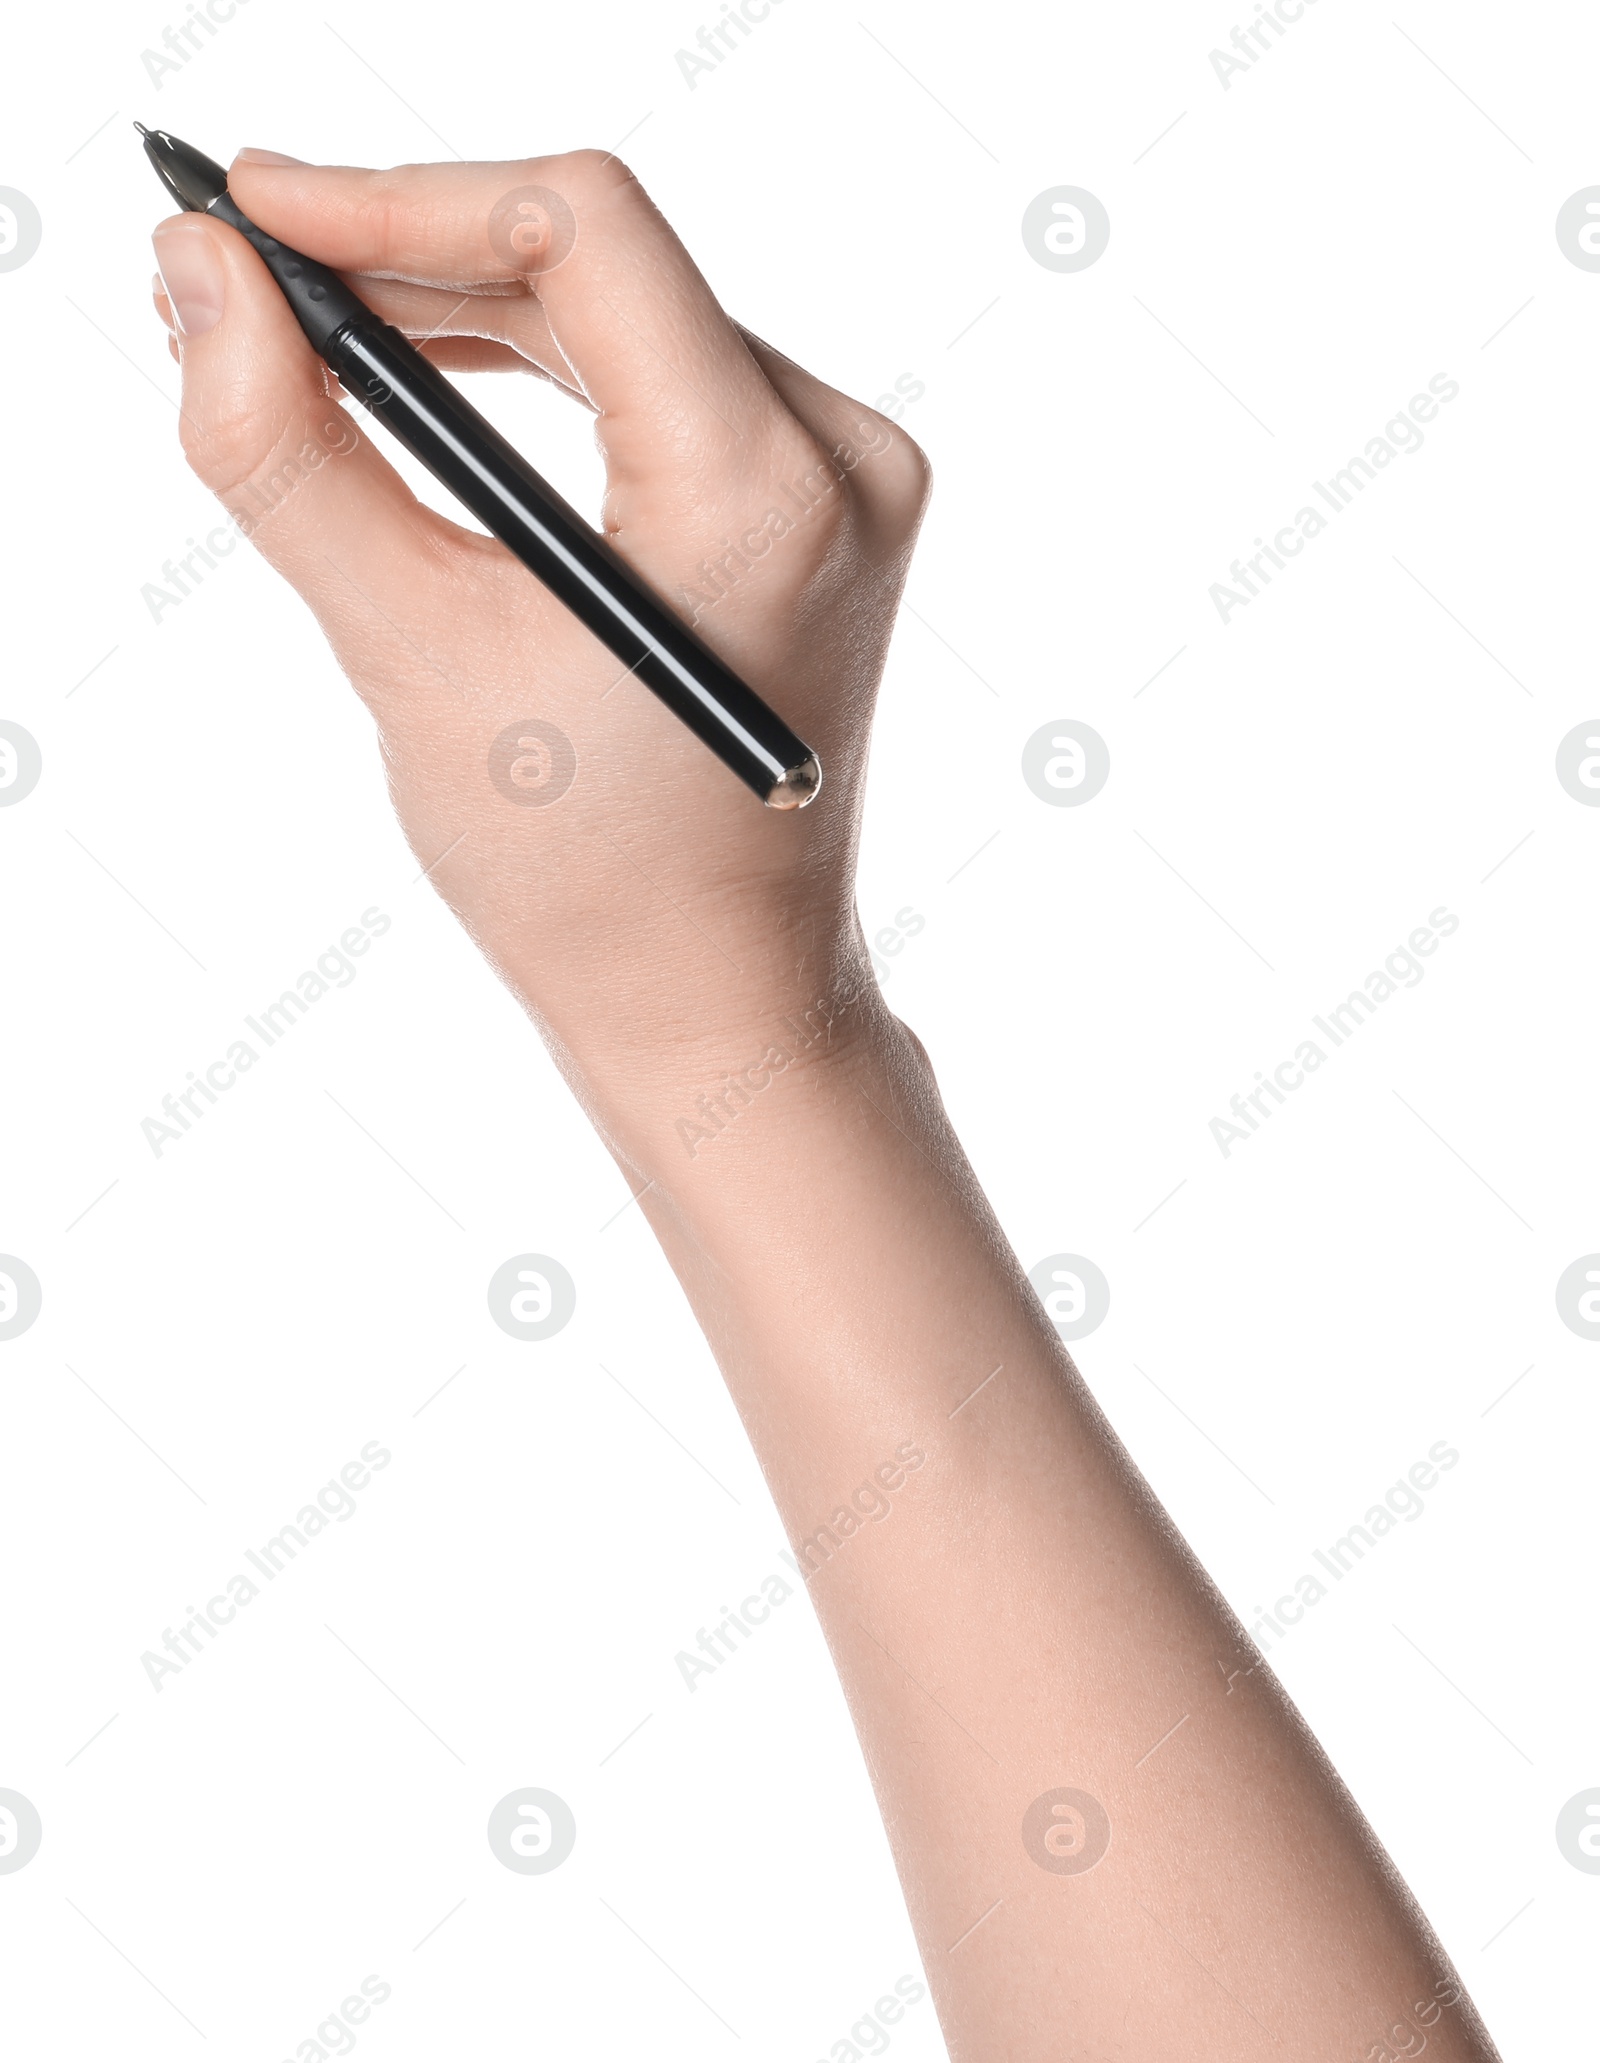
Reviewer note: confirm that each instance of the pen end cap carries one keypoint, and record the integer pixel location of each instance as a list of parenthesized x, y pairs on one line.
[(798, 786)]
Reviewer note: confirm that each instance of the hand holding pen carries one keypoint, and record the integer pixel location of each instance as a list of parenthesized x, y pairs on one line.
[(1083, 1765), (740, 490), (437, 424)]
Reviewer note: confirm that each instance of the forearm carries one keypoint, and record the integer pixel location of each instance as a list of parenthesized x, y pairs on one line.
[(1010, 1610), (1018, 1619)]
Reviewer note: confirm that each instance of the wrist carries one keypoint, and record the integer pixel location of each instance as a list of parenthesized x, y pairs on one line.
[(695, 1106)]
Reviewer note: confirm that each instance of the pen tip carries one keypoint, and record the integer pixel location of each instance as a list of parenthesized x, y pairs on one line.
[(143, 131)]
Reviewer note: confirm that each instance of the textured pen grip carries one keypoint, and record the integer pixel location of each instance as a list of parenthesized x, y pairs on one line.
[(321, 301)]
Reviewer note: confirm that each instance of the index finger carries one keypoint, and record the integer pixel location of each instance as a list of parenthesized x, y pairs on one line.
[(630, 311)]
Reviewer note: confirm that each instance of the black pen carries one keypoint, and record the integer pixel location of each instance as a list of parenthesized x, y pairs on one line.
[(436, 424)]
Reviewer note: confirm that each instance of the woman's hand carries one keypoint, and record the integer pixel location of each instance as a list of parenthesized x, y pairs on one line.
[(1019, 1622), (772, 511)]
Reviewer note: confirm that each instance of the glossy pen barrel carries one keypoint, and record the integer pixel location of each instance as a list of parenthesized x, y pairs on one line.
[(468, 455)]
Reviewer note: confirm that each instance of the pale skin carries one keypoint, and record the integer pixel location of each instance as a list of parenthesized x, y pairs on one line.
[(1026, 1619)]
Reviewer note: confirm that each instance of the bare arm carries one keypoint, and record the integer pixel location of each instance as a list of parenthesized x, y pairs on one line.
[(1116, 1836)]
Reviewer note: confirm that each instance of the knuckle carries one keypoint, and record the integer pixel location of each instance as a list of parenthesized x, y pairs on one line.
[(389, 210), (898, 477), (594, 170), (588, 179)]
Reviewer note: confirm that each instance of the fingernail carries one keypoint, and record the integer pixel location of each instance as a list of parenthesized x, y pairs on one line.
[(264, 157), (192, 275)]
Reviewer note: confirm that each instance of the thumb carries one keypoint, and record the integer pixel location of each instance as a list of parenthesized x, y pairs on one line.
[(258, 425)]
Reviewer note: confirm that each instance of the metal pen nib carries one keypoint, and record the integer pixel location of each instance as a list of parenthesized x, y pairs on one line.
[(194, 181)]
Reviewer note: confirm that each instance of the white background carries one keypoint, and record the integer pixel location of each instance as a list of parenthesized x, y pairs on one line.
[(1292, 796)]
